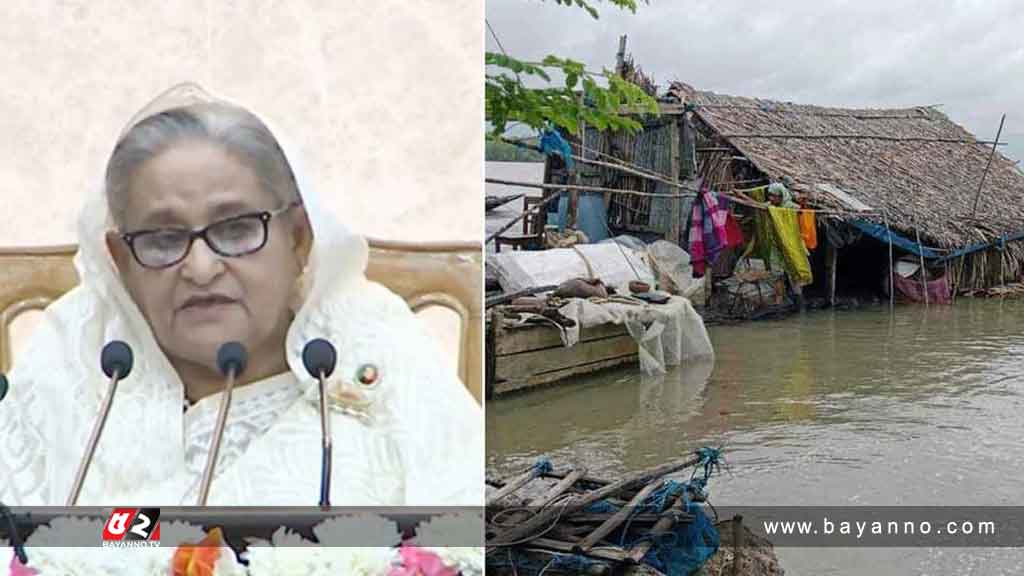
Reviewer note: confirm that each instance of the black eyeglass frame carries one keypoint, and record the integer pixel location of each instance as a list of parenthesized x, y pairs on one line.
[(264, 216)]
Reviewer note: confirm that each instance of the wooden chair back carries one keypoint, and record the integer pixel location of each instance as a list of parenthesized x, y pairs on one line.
[(448, 275)]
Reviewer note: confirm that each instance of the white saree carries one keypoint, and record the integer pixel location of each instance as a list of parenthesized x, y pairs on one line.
[(414, 437)]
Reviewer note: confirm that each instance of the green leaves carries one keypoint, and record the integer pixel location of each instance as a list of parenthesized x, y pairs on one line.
[(581, 98), (602, 100), (624, 4)]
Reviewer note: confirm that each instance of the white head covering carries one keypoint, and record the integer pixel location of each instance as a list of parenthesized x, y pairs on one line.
[(149, 401)]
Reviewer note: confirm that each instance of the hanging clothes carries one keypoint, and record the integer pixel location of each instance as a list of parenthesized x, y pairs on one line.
[(808, 229), (763, 244), (733, 234), (696, 239), (709, 233), (786, 230)]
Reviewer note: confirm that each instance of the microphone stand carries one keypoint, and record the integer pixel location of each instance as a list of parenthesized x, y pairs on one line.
[(325, 459), (231, 361), (116, 361), (16, 544), (320, 357)]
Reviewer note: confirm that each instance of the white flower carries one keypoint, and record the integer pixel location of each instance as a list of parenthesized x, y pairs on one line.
[(358, 530), (70, 546), (469, 561), (361, 561), (289, 554), (447, 535), (286, 553), (451, 530)]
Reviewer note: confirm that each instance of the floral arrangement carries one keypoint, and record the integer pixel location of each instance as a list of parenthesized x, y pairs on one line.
[(188, 550)]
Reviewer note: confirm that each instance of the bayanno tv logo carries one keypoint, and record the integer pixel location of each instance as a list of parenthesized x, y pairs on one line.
[(132, 528)]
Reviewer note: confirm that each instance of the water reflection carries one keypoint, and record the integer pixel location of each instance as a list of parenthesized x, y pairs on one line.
[(918, 407)]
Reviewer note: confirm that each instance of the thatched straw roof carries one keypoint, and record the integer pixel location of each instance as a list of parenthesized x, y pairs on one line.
[(914, 164)]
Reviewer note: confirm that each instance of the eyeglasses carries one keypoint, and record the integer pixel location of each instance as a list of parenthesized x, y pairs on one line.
[(231, 238)]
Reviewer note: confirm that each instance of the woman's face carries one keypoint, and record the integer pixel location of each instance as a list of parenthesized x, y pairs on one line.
[(206, 299)]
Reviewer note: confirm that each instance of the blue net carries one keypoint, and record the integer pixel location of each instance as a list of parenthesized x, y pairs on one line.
[(679, 552)]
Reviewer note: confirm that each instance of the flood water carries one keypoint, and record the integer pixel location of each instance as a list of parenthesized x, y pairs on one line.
[(861, 408)]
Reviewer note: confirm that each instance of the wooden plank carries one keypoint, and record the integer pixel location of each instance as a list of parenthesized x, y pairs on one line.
[(637, 552), (512, 486), (616, 519), (519, 383), (559, 489), (547, 366), (551, 359), (541, 336)]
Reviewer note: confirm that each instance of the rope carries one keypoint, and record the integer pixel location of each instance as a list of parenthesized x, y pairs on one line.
[(542, 466), (590, 269)]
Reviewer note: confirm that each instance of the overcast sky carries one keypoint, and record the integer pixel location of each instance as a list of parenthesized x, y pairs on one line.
[(967, 56)]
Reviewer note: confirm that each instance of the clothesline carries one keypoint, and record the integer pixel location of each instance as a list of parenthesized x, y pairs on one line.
[(736, 195), (738, 199)]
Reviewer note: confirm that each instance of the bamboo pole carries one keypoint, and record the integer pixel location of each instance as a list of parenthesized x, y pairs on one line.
[(618, 518), (977, 195), (496, 300), (672, 235), (892, 272), (589, 188), (512, 486), (859, 137), (924, 275), (544, 202), (834, 263), (560, 488), (544, 519), (959, 278), (637, 552), (613, 553)]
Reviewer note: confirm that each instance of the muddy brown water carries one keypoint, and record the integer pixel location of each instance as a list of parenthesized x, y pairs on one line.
[(862, 408)]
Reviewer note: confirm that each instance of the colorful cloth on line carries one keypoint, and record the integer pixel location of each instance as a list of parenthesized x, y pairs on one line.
[(808, 229), (786, 232), (709, 230), (697, 239)]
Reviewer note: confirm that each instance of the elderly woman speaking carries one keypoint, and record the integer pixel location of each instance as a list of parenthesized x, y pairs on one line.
[(205, 233)]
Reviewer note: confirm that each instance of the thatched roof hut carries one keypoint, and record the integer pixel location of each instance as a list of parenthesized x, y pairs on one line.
[(912, 168), (914, 165)]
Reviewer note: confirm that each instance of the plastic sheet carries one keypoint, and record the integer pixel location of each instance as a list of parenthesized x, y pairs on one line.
[(666, 334), (672, 263), (615, 265)]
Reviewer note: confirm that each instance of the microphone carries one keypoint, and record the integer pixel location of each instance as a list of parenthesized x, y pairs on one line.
[(116, 360), (3, 386), (319, 357), (231, 360)]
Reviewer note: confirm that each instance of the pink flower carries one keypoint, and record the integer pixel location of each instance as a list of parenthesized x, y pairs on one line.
[(19, 569), (420, 562)]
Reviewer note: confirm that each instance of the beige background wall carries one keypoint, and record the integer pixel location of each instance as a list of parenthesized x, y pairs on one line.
[(382, 97)]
